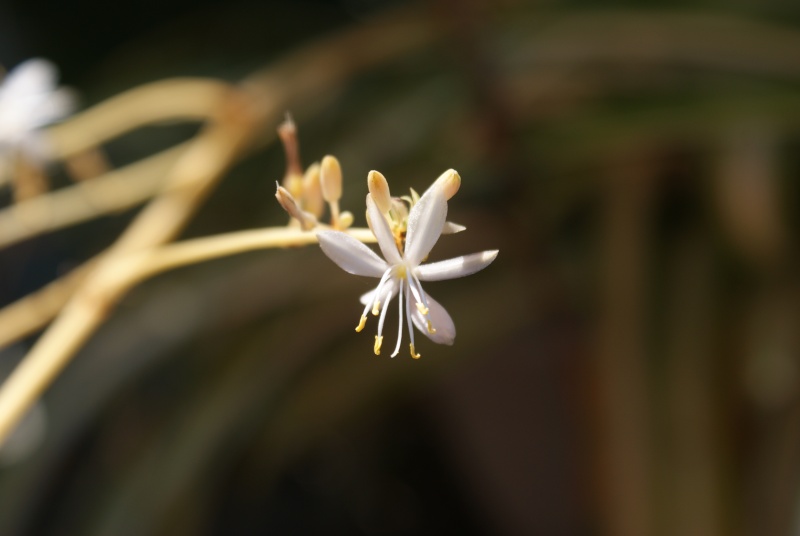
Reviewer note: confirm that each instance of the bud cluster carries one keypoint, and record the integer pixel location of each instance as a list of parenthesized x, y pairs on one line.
[(304, 195)]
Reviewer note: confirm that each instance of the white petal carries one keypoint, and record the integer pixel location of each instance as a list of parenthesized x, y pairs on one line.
[(57, 105), (452, 228), (351, 255), (425, 223), (30, 77), (368, 296), (380, 228), (440, 321), (457, 267)]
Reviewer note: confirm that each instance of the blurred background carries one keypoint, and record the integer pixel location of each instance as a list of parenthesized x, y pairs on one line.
[(628, 366)]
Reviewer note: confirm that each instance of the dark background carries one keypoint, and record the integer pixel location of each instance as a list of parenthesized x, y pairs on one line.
[(627, 366)]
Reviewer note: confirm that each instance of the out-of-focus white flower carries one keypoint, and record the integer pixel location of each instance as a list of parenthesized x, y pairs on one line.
[(400, 272), (29, 100)]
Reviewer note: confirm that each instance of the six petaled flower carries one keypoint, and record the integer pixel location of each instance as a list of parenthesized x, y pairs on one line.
[(401, 270)]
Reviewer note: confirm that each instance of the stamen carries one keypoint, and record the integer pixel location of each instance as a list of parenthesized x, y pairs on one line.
[(414, 354), (378, 342), (376, 296), (361, 323), (408, 321), (414, 282), (430, 328), (399, 319), (414, 291), (422, 309), (383, 312), (364, 314)]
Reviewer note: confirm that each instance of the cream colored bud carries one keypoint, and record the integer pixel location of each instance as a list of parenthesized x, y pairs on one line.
[(345, 219), (379, 189), (450, 182), (294, 184), (307, 221), (287, 132), (285, 199), (331, 179), (312, 191)]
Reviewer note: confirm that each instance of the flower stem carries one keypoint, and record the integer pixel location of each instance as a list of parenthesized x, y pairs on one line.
[(115, 276)]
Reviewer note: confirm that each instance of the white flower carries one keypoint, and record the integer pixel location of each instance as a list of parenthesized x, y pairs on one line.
[(29, 100), (401, 272)]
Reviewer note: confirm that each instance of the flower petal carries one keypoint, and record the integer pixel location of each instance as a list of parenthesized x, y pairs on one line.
[(452, 228), (440, 321), (32, 77), (57, 105), (457, 267), (351, 255), (425, 223), (380, 228)]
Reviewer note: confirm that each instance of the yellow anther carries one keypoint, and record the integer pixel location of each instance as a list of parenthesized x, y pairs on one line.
[(376, 308), (361, 324), (422, 309), (378, 342), (430, 328), (414, 354)]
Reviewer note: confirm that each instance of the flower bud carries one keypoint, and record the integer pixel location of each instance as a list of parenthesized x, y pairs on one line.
[(449, 182), (379, 189), (287, 132), (345, 219), (307, 221), (312, 191), (331, 179)]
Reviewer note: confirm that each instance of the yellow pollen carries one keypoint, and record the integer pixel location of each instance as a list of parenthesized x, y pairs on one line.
[(376, 308), (430, 328), (378, 342), (400, 272), (414, 354), (361, 324), (422, 309)]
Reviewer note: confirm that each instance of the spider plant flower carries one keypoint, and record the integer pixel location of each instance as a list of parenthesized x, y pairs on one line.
[(401, 271), (29, 100)]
